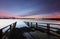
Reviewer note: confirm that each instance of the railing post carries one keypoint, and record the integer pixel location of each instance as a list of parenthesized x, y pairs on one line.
[(10, 28), (28, 23), (31, 24), (14, 25), (48, 28), (36, 25), (1, 34)]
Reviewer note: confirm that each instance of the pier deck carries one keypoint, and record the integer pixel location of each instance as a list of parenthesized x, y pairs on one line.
[(25, 32), (28, 33)]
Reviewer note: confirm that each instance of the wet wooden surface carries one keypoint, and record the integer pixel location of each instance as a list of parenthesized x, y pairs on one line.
[(26, 33)]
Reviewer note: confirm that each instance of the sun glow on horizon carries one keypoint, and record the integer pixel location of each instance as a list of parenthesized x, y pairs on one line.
[(31, 16)]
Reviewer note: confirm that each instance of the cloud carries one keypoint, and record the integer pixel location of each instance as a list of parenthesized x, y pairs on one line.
[(30, 7)]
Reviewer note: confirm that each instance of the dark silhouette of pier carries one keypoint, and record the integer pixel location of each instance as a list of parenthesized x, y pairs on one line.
[(45, 28), (33, 31)]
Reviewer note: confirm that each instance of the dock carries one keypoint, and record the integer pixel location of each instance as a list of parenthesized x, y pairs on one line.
[(30, 30)]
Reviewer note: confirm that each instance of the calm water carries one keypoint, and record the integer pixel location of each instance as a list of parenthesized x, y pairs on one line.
[(20, 22)]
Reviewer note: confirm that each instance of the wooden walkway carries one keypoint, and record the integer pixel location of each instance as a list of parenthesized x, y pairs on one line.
[(45, 28), (29, 33), (25, 31)]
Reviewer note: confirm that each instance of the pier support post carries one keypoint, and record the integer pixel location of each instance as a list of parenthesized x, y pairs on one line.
[(48, 28), (36, 25), (31, 24), (11, 28), (28, 23), (14, 25), (1, 34)]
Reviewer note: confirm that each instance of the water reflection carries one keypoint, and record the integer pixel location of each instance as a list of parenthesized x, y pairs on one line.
[(20, 22)]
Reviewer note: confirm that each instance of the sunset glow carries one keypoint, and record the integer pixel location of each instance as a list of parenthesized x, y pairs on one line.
[(33, 16), (30, 9)]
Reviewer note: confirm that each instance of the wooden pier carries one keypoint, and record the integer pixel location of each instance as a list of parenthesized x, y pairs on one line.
[(3, 35), (47, 29), (33, 27)]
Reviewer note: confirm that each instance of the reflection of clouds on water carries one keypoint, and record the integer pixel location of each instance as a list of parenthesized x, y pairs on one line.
[(20, 22), (5, 22), (47, 21)]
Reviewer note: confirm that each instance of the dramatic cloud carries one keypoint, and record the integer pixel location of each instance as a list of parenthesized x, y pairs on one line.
[(30, 7)]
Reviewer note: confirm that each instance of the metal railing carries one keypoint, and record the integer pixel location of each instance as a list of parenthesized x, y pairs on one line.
[(4, 34), (47, 29)]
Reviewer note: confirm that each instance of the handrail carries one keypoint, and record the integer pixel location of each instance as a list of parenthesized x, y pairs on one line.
[(10, 28), (48, 30), (44, 23), (46, 26), (50, 23), (50, 27), (8, 25)]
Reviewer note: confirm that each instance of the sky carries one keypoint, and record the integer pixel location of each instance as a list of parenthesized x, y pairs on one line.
[(30, 7)]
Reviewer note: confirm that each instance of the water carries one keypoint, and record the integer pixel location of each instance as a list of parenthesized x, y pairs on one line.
[(6, 22), (20, 22)]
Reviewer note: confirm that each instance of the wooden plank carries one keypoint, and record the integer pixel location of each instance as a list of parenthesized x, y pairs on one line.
[(55, 34)]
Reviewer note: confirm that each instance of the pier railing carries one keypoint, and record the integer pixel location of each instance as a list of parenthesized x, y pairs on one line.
[(3, 35), (47, 29)]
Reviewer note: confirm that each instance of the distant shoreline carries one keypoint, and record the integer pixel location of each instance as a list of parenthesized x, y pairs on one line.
[(57, 19)]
